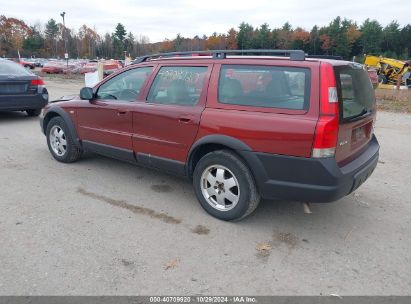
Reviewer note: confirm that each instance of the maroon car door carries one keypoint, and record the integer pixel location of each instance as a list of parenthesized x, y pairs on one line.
[(107, 119), (106, 122), (166, 125)]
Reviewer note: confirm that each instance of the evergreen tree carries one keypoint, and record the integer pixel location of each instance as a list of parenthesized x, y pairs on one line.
[(392, 39), (371, 37), (34, 42), (263, 37), (314, 41), (120, 32), (406, 41), (129, 44), (245, 36), (118, 41), (51, 35), (178, 43), (51, 29)]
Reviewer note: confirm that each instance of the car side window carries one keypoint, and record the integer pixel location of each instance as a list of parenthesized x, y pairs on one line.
[(125, 86), (264, 86), (178, 85)]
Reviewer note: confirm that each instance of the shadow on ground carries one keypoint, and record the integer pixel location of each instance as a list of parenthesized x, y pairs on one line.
[(6, 116)]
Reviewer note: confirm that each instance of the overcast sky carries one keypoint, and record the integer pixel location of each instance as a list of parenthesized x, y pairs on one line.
[(159, 19)]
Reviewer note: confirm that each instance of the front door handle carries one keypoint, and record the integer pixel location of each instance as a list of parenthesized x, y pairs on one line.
[(121, 113), (184, 120)]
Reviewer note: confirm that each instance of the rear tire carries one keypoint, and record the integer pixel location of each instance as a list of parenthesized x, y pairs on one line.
[(33, 112), (224, 186), (60, 142)]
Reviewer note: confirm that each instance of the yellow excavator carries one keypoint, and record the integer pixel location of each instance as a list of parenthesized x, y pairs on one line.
[(390, 70)]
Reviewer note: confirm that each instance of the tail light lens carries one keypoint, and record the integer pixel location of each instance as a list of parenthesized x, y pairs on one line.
[(37, 82), (326, 131), (325, 140), (37, 85)]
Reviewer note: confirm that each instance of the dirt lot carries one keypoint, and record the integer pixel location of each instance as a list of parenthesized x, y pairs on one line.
[(100, 226), (60, 85), (394, 100)]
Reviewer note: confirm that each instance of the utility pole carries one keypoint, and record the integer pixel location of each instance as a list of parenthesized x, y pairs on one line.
[(65, 37)]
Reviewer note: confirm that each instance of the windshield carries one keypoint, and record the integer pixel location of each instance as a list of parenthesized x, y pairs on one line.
[(11, 68), (355, 91)]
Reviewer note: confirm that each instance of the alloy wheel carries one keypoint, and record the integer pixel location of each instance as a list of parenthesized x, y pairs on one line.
[(220, 187), (58, 141)]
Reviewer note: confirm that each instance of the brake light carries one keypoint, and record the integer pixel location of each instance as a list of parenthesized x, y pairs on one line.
[(326, 131), (37, 82)]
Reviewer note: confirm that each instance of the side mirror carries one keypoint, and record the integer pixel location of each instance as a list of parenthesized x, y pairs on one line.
[(86, 93)]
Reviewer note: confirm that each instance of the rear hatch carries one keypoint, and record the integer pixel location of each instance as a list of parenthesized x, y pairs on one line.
[(13, 87), (357, 110)]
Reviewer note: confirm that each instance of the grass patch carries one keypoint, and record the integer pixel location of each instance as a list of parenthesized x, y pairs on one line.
[(393, 100)]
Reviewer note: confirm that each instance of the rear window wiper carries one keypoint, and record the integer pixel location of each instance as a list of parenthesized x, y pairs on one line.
[(364, 113)]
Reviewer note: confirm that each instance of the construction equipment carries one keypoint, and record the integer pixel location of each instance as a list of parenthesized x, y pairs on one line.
[(390, 70)]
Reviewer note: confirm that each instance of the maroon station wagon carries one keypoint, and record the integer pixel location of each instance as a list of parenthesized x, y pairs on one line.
[(242, 125)]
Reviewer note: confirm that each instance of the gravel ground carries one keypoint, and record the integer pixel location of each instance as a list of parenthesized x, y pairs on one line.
[(59, 86), (100, 226)]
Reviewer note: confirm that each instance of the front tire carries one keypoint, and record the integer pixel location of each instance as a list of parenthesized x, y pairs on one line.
[(224, 186), (60, 142)]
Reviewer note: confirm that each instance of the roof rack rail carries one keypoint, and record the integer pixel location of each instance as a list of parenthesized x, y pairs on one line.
[(335, 57), (295, 55)]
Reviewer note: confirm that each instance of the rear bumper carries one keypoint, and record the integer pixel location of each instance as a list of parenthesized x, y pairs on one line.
[(21, 102), (309, 179)]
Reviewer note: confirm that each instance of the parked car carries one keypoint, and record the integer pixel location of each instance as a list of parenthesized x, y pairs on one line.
[(89, 68), (53, 67), (29, 60), (38, 62), (109, 67), (241, 128), (25, 63), (41, 62), (71, 68), (21, 90)]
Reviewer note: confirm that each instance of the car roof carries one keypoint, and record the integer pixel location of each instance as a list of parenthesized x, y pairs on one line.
[(214, 56), (258, 60)]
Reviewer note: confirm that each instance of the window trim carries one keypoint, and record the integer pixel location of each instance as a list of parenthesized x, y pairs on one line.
[(307, 90)]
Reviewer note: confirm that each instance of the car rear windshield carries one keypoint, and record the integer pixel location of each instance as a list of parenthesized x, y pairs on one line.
[(264, 86), (12, 68), (355, 91)]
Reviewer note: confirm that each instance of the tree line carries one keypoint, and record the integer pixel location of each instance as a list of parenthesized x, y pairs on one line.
[(342, 37)]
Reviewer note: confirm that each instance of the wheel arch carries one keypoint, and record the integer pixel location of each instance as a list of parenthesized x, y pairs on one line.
[(211, 143), (59, 112)]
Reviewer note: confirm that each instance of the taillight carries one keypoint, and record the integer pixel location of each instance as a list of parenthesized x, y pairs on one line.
[(38, 85), (325, 140), (326, 131), (37, 82)]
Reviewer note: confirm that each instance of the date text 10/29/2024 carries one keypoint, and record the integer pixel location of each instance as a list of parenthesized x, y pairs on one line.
[(203, 299)]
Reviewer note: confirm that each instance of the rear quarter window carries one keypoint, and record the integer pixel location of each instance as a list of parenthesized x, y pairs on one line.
[(264, 86)]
